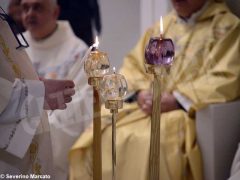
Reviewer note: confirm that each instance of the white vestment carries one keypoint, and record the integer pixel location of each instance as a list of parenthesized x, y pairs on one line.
[(235, 170), (60, 56), (25, 144)]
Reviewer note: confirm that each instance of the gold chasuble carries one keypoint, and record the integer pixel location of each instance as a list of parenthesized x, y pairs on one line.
[(206, 70)]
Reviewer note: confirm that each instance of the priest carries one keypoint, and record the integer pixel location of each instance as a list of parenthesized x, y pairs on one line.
[(206, 70), (25, 142), (57, 53)]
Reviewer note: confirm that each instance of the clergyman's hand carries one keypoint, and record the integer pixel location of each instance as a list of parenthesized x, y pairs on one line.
[(168, 102), (144, 100), (57, 93)]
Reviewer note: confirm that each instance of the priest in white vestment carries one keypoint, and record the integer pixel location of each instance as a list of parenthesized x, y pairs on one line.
[(25, 144), (57, 53)]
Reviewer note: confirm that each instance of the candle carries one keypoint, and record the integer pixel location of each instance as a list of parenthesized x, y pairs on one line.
[(113, 86), (159, 51), (95, 45), (161, 27), (159, 55), (96, 65), (113, 89)]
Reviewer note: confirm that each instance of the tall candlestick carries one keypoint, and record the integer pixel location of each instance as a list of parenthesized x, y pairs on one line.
[(113, 89), (158, 57), (96, 66)]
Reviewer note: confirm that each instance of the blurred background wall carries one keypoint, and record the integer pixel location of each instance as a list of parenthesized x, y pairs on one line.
[(4, 4), (123, 22)]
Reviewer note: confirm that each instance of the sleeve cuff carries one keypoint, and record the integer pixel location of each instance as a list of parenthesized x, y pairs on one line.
[(184, 101), (22, 135), (17, 136), (35, 98)]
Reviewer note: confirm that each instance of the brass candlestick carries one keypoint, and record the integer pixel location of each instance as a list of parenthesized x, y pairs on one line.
[(96, 66), (113, 89), (158, 58)]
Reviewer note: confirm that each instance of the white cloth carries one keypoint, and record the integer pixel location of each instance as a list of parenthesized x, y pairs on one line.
[(235, 169), (59, 56), (21, 106), (183, 100), (27, 127)]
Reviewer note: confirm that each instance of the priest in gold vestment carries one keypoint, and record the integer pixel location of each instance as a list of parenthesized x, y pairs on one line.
[(206, 70)]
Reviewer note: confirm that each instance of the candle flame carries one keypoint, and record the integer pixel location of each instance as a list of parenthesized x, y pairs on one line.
[(161, 25), (96, 44), (114, 70)]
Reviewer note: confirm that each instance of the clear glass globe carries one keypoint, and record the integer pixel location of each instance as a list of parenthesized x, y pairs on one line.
[(96, 64), (113, 87)]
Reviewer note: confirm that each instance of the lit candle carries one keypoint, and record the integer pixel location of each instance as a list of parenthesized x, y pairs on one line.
[(159, 55), (96, 65), (161, 27), (159, 51), (113, 86), (113, 89), (95, 45)]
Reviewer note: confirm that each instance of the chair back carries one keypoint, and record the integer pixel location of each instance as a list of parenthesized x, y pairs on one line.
[(234, 6)]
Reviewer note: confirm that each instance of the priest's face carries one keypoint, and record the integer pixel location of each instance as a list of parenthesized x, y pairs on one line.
[(185, 8), (39, 17)]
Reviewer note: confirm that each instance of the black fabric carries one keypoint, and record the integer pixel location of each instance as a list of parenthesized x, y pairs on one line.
[(234, 6), (82, 15)]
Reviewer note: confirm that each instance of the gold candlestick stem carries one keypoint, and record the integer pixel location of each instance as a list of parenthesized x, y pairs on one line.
[(154, 160), (114, 117), (97, 140)]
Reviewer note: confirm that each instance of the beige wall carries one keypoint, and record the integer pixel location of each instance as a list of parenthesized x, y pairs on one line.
[(124, 21), (151, 10), (121, 28)]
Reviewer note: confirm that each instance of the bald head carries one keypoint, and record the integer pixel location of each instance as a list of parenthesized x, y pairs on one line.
[(40, 17)]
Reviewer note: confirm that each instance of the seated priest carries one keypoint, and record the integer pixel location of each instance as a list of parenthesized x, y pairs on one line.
[(25, 142), (206, 70), (57, 53)]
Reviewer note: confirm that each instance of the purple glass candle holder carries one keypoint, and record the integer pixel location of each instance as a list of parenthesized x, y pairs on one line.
[(159, 52)]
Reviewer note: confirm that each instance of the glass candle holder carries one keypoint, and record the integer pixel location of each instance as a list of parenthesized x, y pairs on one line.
[(159, 52), (96, 64), (113, 87)]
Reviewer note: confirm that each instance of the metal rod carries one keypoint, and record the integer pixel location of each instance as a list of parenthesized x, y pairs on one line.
[(154, 160), (97, 140), (114, 116)]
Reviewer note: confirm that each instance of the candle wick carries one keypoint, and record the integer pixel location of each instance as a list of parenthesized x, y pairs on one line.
[(161, 36)]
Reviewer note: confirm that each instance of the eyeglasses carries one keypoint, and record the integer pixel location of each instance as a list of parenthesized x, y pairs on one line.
[(22, 42)]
